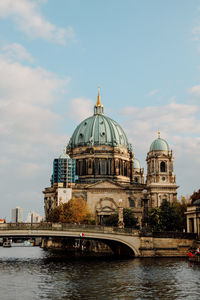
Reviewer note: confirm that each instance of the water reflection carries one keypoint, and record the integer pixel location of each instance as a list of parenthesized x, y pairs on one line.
[(31, 273)]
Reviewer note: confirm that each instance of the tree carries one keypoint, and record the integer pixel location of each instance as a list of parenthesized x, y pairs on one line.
[(180, 208), (54, 215), (154, 219), (169, 216), (129, 219), (74, 211)]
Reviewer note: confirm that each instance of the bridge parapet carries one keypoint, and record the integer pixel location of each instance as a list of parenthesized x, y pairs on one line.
[(67, 227)]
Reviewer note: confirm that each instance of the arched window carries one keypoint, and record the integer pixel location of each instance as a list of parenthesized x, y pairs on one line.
[(136, 179), (162, 166)]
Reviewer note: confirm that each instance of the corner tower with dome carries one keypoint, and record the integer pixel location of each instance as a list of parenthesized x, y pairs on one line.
[(161, 180), (108, 174)]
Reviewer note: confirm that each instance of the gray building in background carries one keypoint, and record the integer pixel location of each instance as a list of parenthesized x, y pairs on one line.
[(17, 215)]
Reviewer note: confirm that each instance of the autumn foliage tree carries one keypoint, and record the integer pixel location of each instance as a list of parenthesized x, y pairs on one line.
[(74, 211)]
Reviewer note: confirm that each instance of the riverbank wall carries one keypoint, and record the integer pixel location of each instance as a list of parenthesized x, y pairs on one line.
[(166, 244)]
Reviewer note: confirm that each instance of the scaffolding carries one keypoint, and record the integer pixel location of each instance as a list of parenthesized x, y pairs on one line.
[(64, 170)]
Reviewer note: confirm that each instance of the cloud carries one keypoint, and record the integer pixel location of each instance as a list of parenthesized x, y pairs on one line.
[(28, 18), (196, 33), (25, 84), (179, 125), (153, 92), (195, 90), (28, 132), (17, 52), (80, 108), (25, 96)]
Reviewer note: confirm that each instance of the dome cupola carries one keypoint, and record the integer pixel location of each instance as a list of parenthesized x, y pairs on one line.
[(101, 149), (98, 130), (159, 144), (136, 164)]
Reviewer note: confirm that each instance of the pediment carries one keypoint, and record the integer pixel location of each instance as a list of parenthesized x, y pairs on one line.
[(107, 184)]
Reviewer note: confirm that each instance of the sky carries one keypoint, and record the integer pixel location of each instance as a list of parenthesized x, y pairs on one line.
[(145, 55)]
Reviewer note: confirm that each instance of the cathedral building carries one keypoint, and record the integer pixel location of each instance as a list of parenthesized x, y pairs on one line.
[(108, 173)]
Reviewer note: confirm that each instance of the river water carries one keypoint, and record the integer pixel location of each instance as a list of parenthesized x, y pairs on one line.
[(28, 273)]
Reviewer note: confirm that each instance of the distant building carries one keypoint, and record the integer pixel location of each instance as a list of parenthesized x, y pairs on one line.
[(2, 221), (33, 217), (17, 215)]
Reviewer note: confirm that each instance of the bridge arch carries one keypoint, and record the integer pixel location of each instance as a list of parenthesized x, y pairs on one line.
[(119, 246)]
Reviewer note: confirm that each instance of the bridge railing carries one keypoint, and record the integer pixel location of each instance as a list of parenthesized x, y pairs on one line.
[(65, 227)]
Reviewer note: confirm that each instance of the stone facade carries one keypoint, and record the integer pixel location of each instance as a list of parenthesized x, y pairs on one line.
[(193, 218), (108, 172), (55, 195), (105, 197)]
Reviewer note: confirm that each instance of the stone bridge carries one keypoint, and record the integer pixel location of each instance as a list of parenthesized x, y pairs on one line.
[(126, 242), (121, 241)]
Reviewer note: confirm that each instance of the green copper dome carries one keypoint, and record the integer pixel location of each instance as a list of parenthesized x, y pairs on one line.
[(98, 130), (159, 145), (136, 164)]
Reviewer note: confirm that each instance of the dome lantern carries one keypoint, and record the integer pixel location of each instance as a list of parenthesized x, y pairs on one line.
[(98, 108)]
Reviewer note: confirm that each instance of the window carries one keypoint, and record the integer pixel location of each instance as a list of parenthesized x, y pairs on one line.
[(103, 167), (162, 166), (90, 164), (96, 166), (131, 202), (109, 167), (80, 167)]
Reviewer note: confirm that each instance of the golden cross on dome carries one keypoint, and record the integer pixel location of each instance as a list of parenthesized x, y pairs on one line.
[(159, 134)]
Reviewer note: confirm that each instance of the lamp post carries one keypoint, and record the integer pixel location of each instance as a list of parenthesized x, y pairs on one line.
[(120, 215), (145, 217)]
